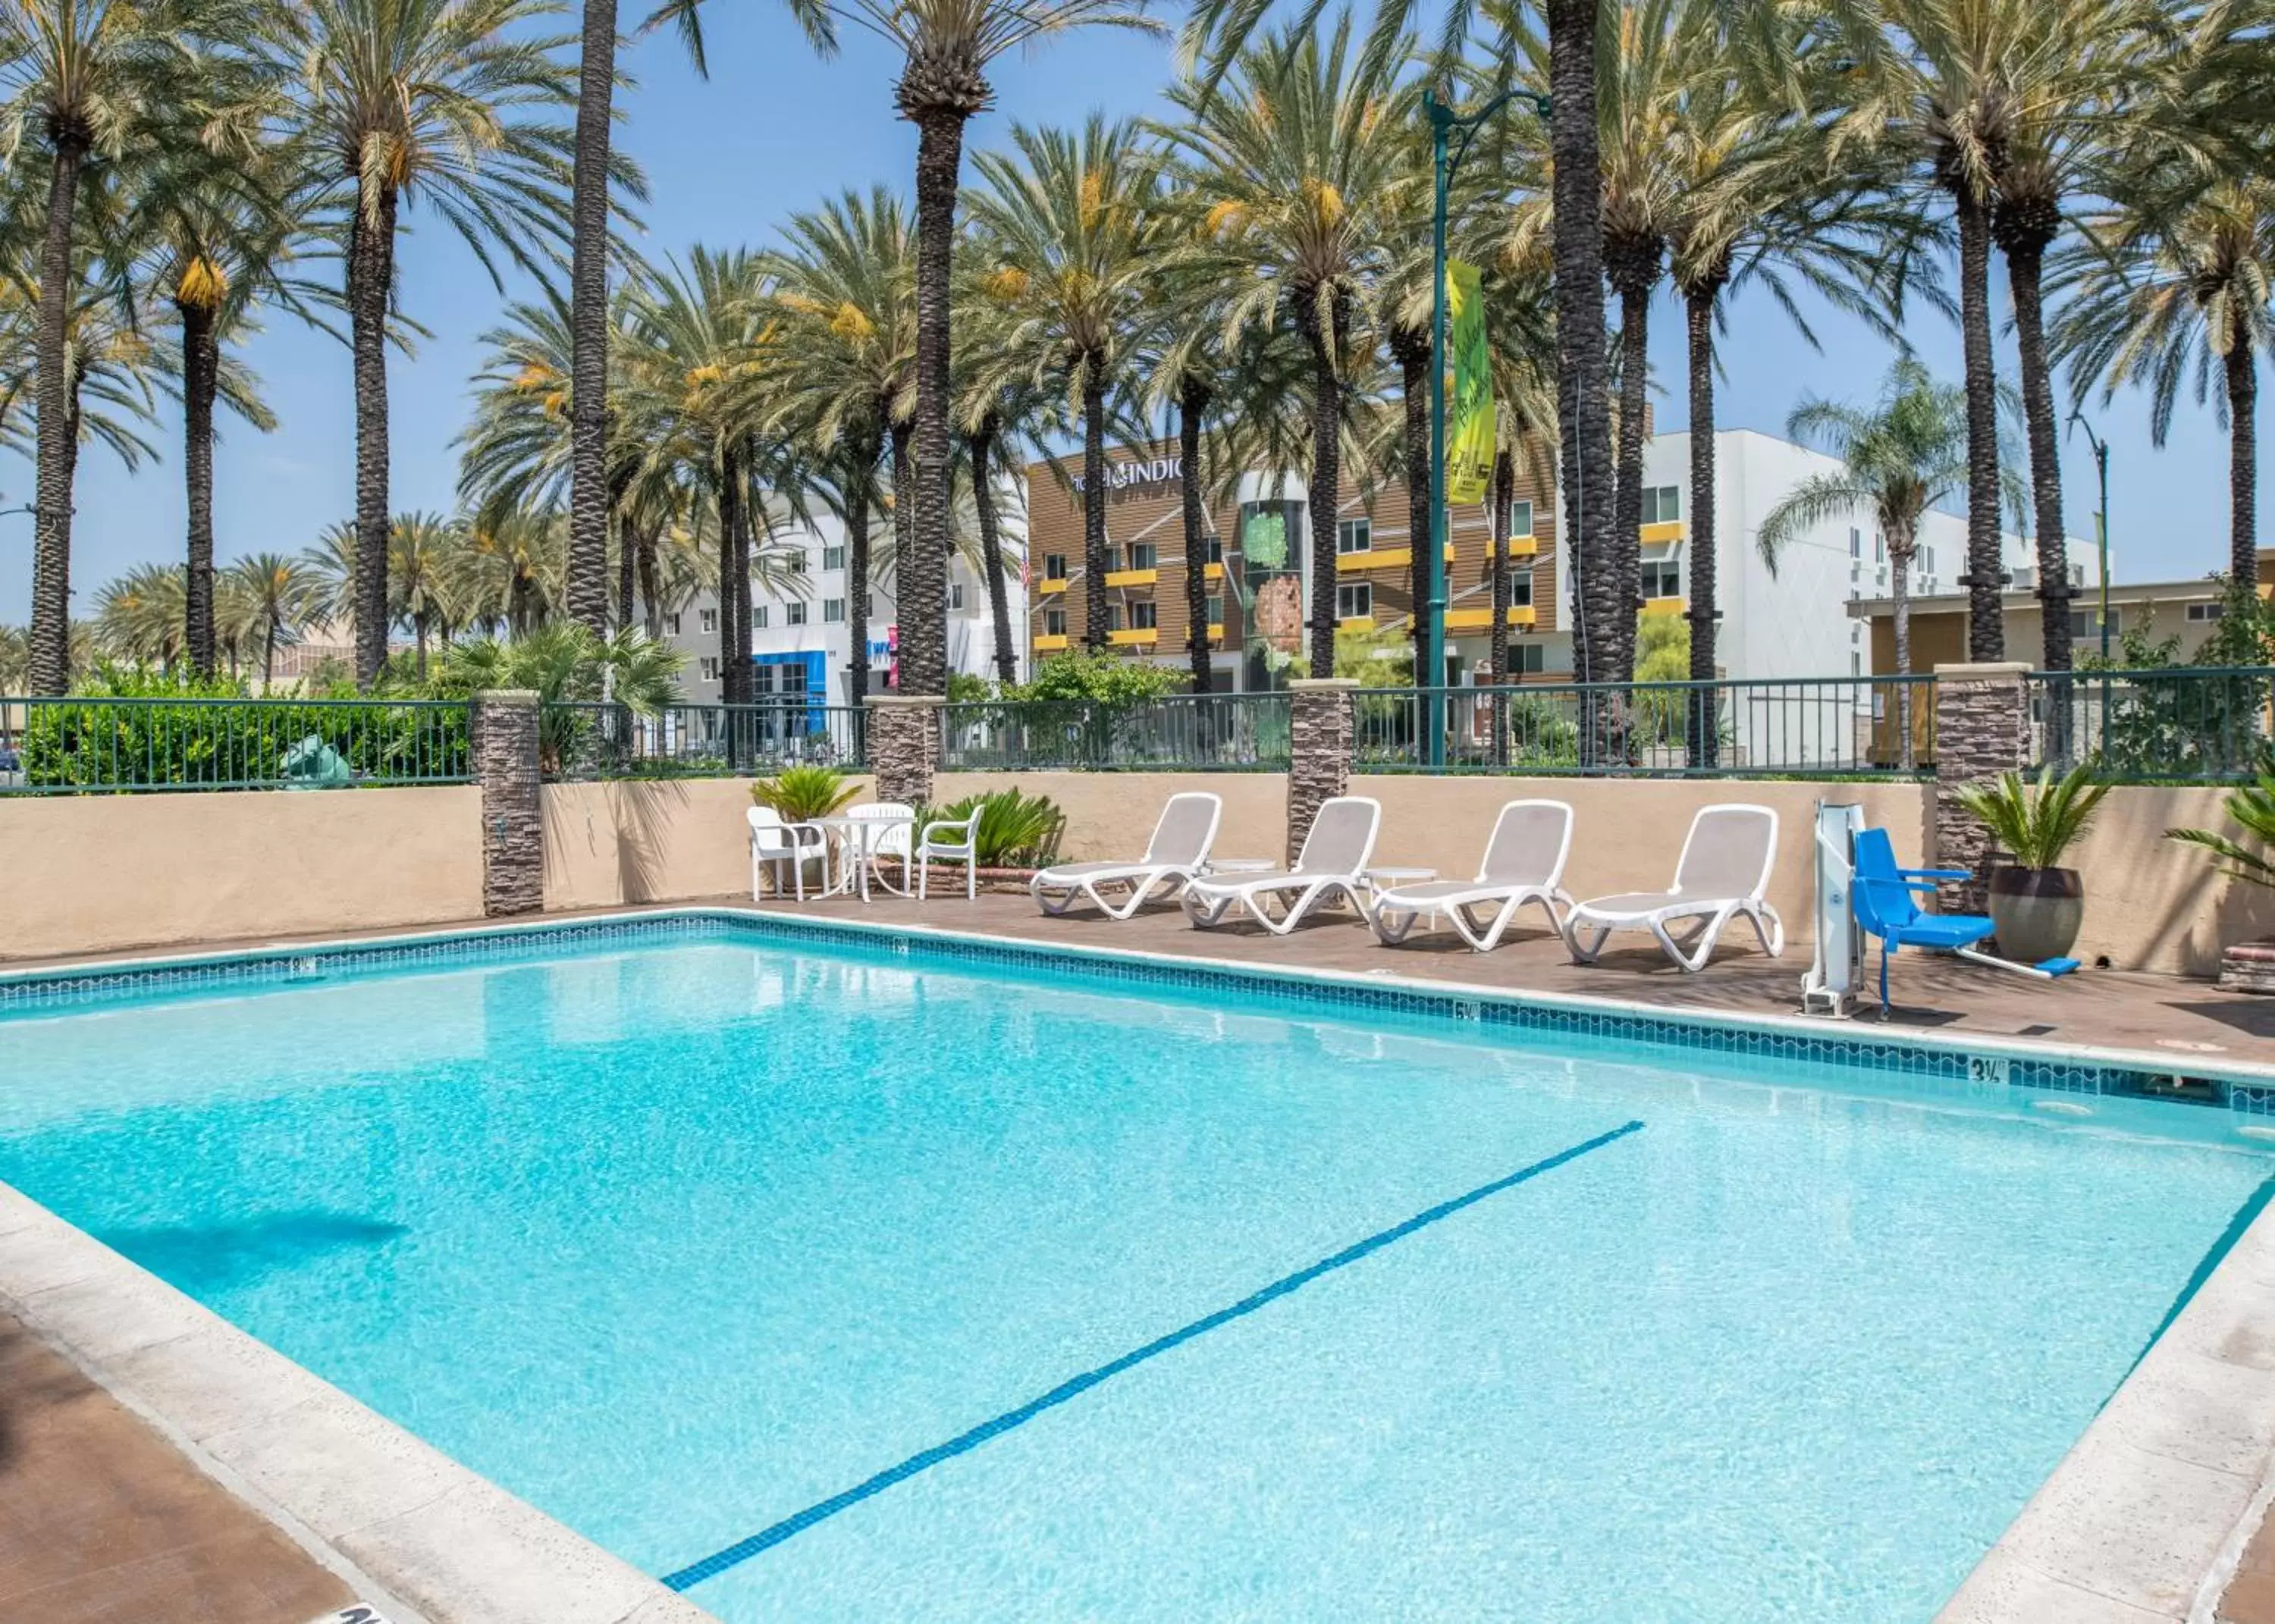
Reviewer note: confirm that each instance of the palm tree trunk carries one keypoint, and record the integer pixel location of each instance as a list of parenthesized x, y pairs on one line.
[(1626, 549), (2242, 461), (371, 274), (857, 577), (588, 324), (1504, 494), (269, 651), (1702, 737), (644, 539), (2025, 271), (201, 382), (904, 531), (1986, 628), (418, 635), (923, 570), (1412, 350), (1899, 560), (733, 546), (50, 640), (1326, 483), (1094, 559), (1192, 401), (991, 552), (1581, 408)]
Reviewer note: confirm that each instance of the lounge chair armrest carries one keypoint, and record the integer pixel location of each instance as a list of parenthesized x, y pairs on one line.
[(1936, 874)]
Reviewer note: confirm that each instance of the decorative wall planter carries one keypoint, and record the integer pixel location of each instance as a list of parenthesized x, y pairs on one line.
[(2038, 911)]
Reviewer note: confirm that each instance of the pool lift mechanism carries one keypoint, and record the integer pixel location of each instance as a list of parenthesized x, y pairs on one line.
[(1879, 903)]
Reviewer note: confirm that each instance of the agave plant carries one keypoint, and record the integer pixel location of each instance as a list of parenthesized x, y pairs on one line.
[(2251, 805), (800, 794), (1015, 830), (2035, 820)]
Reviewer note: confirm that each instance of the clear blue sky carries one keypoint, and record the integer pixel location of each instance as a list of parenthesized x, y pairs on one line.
[(775, 129)]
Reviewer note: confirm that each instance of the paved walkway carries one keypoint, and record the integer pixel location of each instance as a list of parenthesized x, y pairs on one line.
[(2097, 1008), (103, 1521)]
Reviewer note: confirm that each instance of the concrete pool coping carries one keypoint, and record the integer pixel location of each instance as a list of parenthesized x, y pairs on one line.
[(2144, 1520)]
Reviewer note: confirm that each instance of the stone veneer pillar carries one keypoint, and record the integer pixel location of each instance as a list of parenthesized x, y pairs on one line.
[(1982, 729), (503, 724), (1319, 750), (903, 743)]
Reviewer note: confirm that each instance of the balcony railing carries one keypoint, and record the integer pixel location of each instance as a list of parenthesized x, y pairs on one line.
[(95, 745), (1231, 732)]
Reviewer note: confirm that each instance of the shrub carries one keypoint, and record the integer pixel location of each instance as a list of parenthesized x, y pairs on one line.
[(2252, 806), (1016, 830), (2035, 822), (802, 793), (1108, 679)]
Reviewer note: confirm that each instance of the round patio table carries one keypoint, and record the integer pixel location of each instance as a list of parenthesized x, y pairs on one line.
[(857, 840)]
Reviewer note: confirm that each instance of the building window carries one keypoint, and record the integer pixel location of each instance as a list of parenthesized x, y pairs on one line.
[(757, 617), (1520, 516), (1141, 616), (1054, 623), (1355, 535), (1355, 600), (833, 611), (1213, 550), (794, 563), (1855, 542), (671, 625), (1142, 556), (1662, 504), (1055, 567), (793, 612), (708, 665), (1213, 611), (1924, 561), (1879, 548), (873, 610), (956, 594), (1662, 577), (708, 620), (833, 558), (2082, 623), (1520, 590), (2197, 611), (1525, 658), (1855, 664), (1114, 618)]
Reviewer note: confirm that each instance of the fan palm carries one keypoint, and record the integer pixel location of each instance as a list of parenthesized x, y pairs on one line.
[(138, 615), (454, 103), (80, 79), (1068, 234), (1302, 163), (846, 283), (1900, 455), (2252, 806)]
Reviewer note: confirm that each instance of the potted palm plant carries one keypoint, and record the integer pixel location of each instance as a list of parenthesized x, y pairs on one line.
[(2246, 966), (2037, 905)]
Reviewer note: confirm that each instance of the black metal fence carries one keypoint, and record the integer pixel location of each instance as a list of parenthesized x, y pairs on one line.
[(96, 744), (1226, 732), (586, 741)]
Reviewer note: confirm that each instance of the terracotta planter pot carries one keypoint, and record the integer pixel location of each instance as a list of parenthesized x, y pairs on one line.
[(2037, 911)]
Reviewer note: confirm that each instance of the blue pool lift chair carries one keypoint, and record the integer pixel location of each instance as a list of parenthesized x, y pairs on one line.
[(1886, 909)]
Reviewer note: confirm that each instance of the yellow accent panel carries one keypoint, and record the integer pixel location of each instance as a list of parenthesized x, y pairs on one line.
[(1669, 530), (1519, 547), (1130, 577), (1136, 637), (1664, 605), (1356, 623), (1048, 587), (1481, 619), (1048, 645), (1381, 558), (1216, 628), (1211, 572)]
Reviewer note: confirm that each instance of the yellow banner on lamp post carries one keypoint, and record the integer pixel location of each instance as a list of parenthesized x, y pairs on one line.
[(1470, 408)]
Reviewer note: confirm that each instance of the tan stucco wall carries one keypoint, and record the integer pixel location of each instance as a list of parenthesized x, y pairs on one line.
[(1111, 814), (1627, 833), (647, 842), (91, 874), (2151, 903)]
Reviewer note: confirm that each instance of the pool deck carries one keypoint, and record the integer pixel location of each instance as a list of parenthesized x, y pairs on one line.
[(141, 1458)]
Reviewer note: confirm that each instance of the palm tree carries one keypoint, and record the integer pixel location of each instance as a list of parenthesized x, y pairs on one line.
[(845, 289), (456, 104), (281, 595), (138, 615), (81, 80), (948, 46), (1068, 234), (1902, 456), (1300, 161), (2174, 278)]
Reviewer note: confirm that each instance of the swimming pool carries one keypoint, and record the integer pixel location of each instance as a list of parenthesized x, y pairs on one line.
[(843, 1283)]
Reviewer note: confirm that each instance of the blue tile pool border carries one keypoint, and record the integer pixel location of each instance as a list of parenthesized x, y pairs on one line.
[(1957, 1059)]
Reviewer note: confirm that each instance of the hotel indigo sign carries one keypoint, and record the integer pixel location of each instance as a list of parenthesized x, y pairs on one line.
[(1151, 470)]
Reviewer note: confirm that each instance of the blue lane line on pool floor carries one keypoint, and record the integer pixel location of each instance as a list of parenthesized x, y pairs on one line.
[(743, 1550)]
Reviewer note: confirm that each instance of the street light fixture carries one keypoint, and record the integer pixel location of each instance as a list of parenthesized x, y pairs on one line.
[(1430, 666), (2100, 521)]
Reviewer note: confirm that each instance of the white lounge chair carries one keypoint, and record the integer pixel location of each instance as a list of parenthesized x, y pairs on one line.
[(775, 843), (1723, 872), (1334, 857), (1523, 863), (1176, 855)]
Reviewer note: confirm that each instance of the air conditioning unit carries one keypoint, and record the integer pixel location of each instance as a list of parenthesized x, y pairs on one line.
[(2026, 579)]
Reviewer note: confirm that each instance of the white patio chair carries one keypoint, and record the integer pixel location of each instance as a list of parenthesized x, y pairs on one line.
[(775, 843), (1334, 857), (952, 840), (1722, 873), (896, 841), (1523, 863), (1176, 855)]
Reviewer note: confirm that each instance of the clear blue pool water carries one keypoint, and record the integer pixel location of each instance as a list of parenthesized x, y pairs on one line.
[(683, 1240)]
